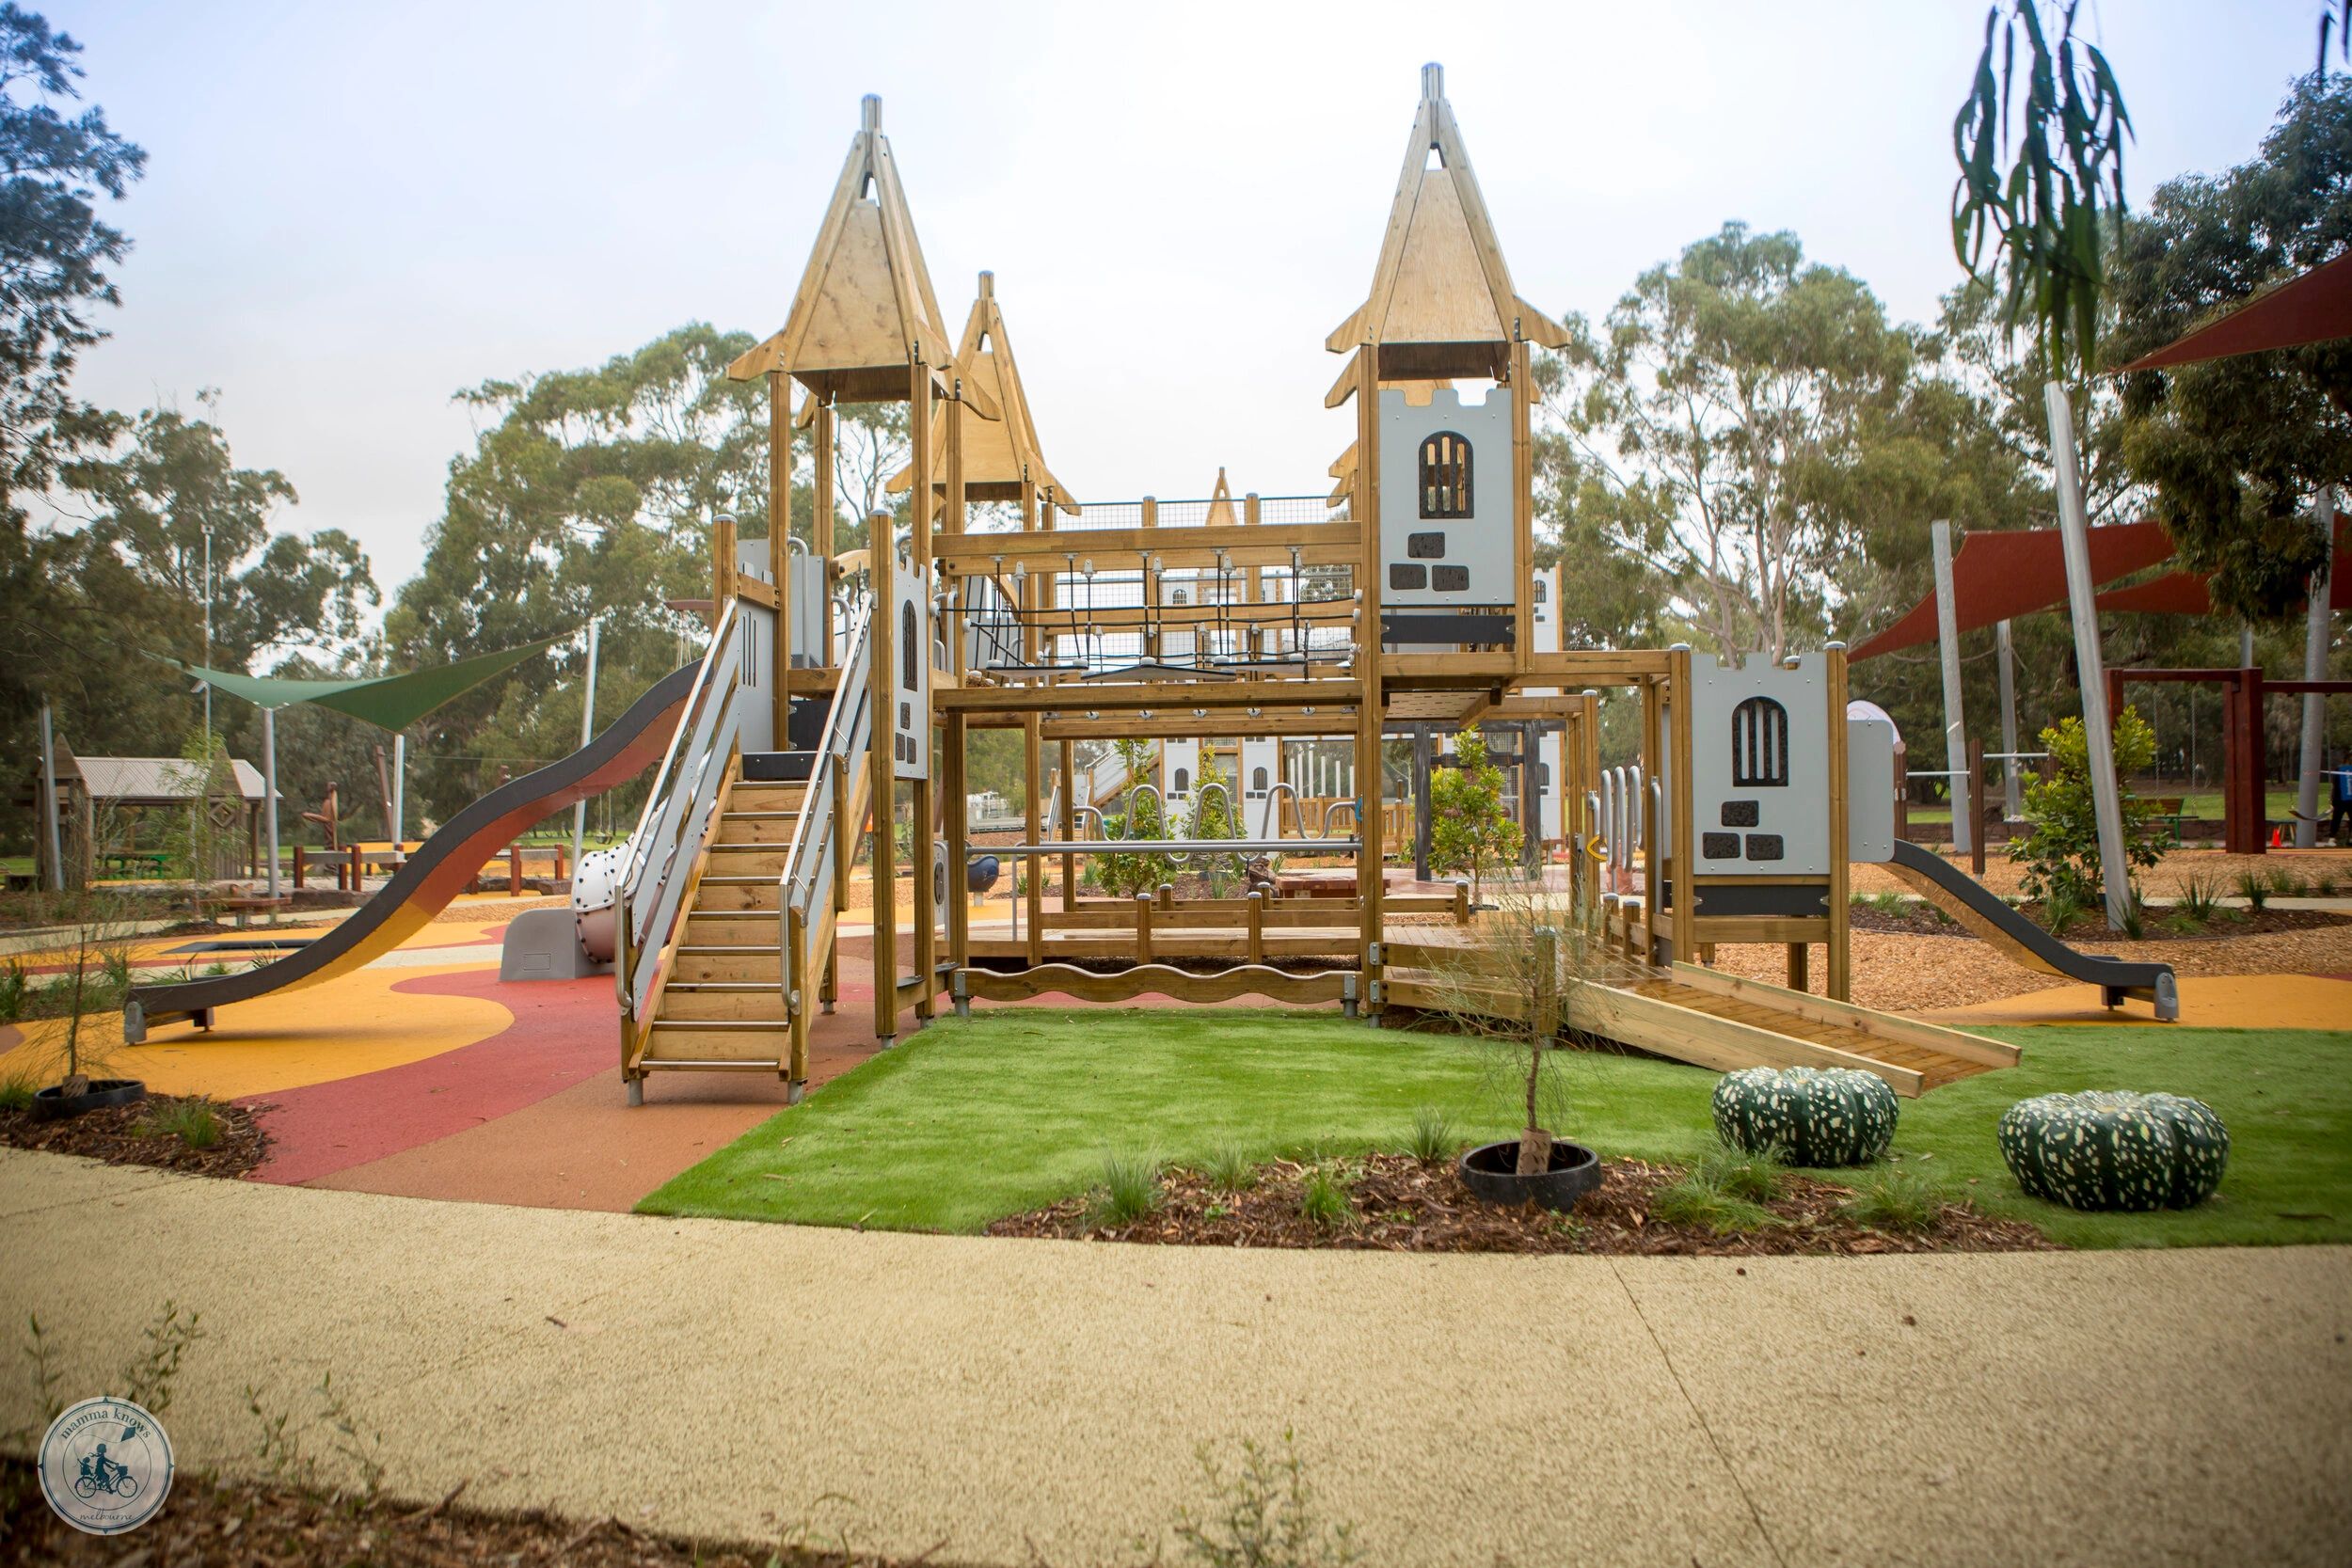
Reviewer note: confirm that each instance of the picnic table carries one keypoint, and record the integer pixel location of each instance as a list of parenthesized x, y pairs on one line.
[(136, 860)]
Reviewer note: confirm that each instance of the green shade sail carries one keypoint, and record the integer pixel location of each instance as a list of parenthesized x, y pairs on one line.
[(387, 702)]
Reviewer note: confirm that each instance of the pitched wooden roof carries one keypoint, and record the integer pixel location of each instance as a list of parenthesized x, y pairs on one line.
[(1441, 302), (865, 307), (1003, 449)]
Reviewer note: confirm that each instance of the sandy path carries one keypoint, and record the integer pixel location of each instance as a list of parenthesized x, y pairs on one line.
[(1007, 1400)]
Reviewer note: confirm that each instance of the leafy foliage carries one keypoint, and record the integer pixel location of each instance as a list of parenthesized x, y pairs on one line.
[(2235, 448), (1469, 829), (2041, 219), (1146, 818), (1709, 430), (55, 251), (1262, 1516), (2059, 848)]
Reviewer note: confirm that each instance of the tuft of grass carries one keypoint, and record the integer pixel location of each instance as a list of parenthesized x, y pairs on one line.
[(193, 1121), (2324, 885), (2061, 910), (16, 988), (116, 965), (16, 1091), (1433, 1138), (1324, 1200), (2134, 921), (2286, 884), (1698, 1198), (2254, 887), (1895, 1201), (2199, 897), (1264, 1516), (1230, 1168), (1130, 1189), (1750, 1177)]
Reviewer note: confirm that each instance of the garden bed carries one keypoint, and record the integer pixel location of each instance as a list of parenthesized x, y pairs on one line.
[(211, 1521), (1396, 1203), (131, 1136)]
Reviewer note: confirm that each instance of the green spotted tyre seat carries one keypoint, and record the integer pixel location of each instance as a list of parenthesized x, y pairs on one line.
[(2108, 1150), (1810, 1116)]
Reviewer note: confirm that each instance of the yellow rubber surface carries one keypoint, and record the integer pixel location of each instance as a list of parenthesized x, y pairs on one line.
[(2207, 1002)]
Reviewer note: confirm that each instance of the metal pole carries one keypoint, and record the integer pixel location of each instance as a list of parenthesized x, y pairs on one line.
[(1421, 802), (48, 801), (1955, 729), (2316, 669), (588, 727), (269, 789), (2012, 799), (208, 646), (2245, 645), (400, 792), (2098, 724)]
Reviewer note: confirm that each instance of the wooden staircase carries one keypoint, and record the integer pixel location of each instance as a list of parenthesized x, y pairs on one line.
[(720, 1004)]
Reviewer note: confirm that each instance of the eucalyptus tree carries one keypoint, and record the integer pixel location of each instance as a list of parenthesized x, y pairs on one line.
[(1706, 423)]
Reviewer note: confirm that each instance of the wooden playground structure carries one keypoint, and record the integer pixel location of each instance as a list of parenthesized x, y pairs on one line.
[(841, 689)]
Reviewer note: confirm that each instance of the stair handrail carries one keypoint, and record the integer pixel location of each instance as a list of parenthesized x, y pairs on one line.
[(682, 806), (815, 831)]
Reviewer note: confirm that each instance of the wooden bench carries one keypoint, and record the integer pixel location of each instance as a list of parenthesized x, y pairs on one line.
[(2171, 810), (243, 908)]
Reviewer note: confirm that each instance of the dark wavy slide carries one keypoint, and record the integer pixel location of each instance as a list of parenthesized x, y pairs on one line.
[(1984, 914), (441, 868)]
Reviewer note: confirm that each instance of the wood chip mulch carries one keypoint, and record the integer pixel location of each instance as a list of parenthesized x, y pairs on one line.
[(1400, 1204), (219, 1523), (124, 1136)]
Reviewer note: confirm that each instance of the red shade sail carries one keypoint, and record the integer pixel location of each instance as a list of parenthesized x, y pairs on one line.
[(2311, 309), (2173, 594), (1999, 577)]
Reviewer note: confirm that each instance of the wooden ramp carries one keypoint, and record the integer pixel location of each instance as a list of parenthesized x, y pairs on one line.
[(1722, 1022)]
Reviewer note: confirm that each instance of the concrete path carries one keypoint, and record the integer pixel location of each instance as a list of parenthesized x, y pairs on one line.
[(1012, 1401)]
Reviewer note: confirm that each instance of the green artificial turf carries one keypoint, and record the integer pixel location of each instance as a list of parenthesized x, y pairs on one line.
[(974, 1119)]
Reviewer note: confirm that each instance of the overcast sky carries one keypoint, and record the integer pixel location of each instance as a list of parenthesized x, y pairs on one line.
[(352, 212)]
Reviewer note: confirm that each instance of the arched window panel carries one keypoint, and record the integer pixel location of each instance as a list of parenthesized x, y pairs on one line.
[(910, 648), (1759, 745), (1183, 781), (1445, 475)]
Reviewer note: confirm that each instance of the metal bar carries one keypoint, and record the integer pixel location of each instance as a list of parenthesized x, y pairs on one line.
[(1173, 845), (1955, 727), (587, 733), (2316, 669)]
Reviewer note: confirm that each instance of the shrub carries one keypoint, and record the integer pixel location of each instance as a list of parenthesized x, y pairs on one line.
[(2254, 887), (1433, 1135), (2061, 910), (16, 1092), (1468, 827), (2059, 848), (15, 990), (1230, 1168), (1130, 1188), (1758, 1177), (194, 1122), (1697, 1199), (2199, 897), (1324, 1200), (1893, 1200)]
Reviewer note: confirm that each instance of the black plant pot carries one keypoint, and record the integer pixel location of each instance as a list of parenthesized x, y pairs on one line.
[(1491, 1174), (53, 1105)]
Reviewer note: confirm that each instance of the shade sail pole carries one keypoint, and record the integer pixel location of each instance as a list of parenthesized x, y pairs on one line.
[(1963, 788), (2098, 724), (2013, 802), (269, 790), (588, 733), (48, 801), (400, 790), (2316, 669)]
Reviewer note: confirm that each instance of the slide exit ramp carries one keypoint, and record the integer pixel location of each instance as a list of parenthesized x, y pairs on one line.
[(441, 868), (1983, 914)]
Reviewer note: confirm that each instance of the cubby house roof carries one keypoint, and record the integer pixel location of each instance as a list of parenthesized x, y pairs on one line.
[(1441, 302), (997, 453), (865, 307)]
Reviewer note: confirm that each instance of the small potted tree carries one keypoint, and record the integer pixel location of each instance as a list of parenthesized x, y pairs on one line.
[(96, 980), (1512, 986)]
